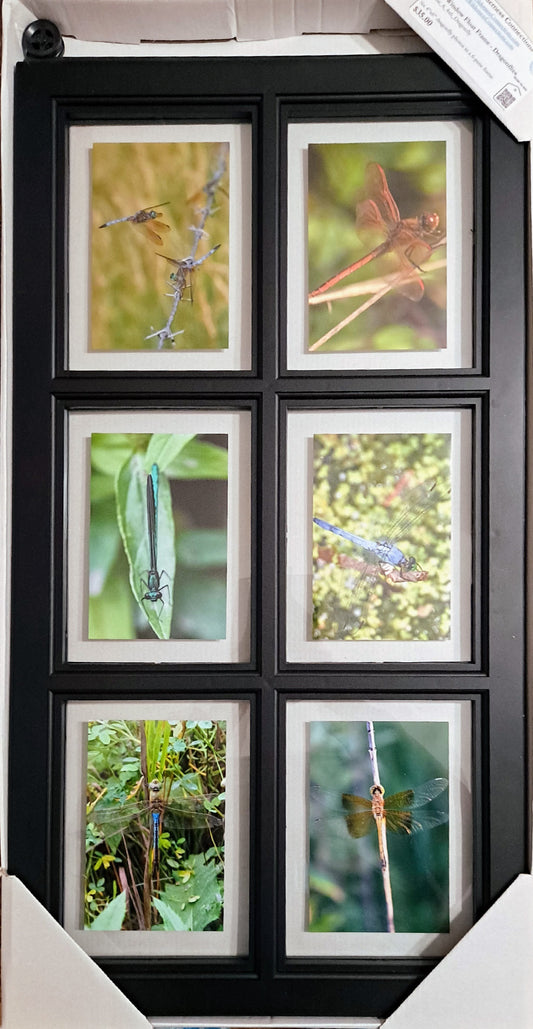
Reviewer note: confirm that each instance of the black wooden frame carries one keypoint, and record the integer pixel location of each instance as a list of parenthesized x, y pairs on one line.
[(54, 93)]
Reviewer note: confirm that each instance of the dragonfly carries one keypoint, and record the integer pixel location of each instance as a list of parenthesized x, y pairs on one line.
[(126, 841), (384, 555), (115, 824), (144, 220), (404, 813), (156, 812), (154, 588), (181, 277), (338, 869), (395, 812), (410, 239)]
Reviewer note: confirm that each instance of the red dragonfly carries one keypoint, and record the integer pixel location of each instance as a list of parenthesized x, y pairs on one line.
[(410, 239), (394, 812), (143, 220)]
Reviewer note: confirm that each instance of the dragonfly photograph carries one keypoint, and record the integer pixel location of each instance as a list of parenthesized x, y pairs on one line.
[(348, 814), (381, 536), (158, 536), (159, 246), (154, 851), (376, 222)]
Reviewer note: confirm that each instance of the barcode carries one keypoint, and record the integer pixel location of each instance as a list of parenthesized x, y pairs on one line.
[(505, 98)]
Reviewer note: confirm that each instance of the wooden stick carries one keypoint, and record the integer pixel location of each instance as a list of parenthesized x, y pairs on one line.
[(377, 792)]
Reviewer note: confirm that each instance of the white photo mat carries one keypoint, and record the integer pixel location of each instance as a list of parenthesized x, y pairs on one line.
[(301, 943), (237, 426), (237, 356), (302, 426), (233, 939), (459, 219)]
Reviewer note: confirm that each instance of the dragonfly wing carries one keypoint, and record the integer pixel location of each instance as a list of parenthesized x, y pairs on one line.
[(408, 823), (153, 231), (109, 824), (368, 568), (401, 819), (369, 224), (416, 797), (413, 505), (428, 791), (377, 189), (352, 803), (359, 818), (133, 817), (365, 565), (412, 288), (359, 824)]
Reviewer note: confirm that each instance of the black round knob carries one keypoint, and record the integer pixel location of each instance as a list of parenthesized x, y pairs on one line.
[(42, 39)]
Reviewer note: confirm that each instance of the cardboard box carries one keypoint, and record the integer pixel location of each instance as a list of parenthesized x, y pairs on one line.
[(135, 21)]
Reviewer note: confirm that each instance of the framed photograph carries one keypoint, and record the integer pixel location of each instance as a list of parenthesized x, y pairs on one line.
[(378, 553), (379, 813), (234, 501), (158, 536), (156, 827), (159, 248), (379, 245)]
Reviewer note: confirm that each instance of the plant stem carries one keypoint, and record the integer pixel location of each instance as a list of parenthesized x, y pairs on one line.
[(377, 806), (147, 884), (185, 267)]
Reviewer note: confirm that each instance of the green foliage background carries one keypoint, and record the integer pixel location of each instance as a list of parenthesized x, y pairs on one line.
[(354, 478), (189, 757), (192, 531), (345, 881), (416, 174), (128, 279)]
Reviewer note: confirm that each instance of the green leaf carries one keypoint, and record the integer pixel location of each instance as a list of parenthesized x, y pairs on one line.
[(132, 519), (171, 918), (112, 916), (202, 548), (164, 448), (157, 739), (110, 611), (200, 460), (109, 451), (199, 900)]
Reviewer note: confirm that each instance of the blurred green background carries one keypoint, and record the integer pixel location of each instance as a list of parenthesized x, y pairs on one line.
[(129, 281), (197, 473), (360, 484), (416, 174), (345, 880)]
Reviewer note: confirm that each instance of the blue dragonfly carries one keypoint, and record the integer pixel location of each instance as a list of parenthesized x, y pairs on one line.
[(383, 557), (154, 588), (126, 839), (197, 819)]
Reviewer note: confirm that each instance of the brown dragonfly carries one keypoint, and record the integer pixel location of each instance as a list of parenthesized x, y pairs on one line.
[(410, 239), (144, 220), (394, 812)]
